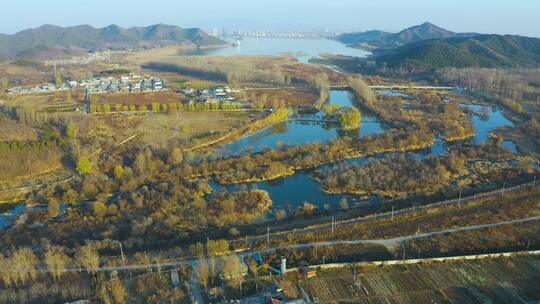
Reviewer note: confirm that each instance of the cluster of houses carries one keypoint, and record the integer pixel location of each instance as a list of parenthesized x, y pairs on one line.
[(129, 84), (211, 95)]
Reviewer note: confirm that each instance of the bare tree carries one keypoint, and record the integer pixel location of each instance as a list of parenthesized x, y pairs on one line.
[(361, 89), (88, 258), (23, 262), (5, 271), (203, 272), (212, 268), (233, 271), (56, 261), (118, 291)]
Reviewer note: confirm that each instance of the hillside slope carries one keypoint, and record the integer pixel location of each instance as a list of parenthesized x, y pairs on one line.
[(111, 37), (478, 51)]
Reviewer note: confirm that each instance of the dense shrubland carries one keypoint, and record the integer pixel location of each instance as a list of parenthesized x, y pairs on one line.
[(514, 84), (392, 176), (405, 176)]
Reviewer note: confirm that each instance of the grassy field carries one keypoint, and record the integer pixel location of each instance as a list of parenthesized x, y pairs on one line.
[(500, 280), (12, 131), (161, 128)]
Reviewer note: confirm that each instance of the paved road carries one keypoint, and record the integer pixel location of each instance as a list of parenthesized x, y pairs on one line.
[(194, 262), (395, 242), (195, 288)]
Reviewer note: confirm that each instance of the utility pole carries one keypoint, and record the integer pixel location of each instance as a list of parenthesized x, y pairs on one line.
[(122, 253), (392, 213), (459, 200), (123, 258), (267, 235), (403, 252), (534, 182), (502, 191), (332, 225)]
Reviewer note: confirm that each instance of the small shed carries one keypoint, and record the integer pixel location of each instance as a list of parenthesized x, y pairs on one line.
[(309, 272)]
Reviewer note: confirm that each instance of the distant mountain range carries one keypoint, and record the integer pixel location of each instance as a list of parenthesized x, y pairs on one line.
[(477, 51), (111, 37), (381, 39)]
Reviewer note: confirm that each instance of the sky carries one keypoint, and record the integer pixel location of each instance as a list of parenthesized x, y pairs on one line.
[(485, 16)]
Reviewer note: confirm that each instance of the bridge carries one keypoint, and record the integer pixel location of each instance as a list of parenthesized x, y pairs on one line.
[(401, 88), (314, 119), (373, 87), (406, 88)]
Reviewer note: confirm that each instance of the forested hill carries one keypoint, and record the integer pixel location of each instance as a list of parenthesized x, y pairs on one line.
[(479, 51), (380, 39), (114, 37)]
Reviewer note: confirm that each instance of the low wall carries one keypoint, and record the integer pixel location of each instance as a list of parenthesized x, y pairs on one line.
[(427, 260)]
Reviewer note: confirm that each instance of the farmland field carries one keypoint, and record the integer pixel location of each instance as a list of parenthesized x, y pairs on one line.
[(499, 280)]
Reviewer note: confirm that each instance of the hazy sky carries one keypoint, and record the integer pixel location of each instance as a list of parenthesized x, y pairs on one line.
[(486, 16)]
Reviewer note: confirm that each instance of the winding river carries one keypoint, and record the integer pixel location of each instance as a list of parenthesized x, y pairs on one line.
[(297, 131), (295, 190)]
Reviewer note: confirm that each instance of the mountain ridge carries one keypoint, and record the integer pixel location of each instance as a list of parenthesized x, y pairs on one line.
[(380, 39), (110, 37)]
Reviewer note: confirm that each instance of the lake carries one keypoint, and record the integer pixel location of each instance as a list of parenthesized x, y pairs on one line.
[(300, 48)]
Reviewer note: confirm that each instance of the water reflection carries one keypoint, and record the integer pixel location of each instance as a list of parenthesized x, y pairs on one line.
[(9, 213), (305, 130)]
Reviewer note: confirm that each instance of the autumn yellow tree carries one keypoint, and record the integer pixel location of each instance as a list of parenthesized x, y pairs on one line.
[(84, 166), (87, 257), (56, 261)]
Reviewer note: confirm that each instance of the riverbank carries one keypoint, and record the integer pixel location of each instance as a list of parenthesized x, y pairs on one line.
[(273, 118)]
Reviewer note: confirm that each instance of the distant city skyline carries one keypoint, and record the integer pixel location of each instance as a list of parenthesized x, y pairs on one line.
[(493, 16)]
